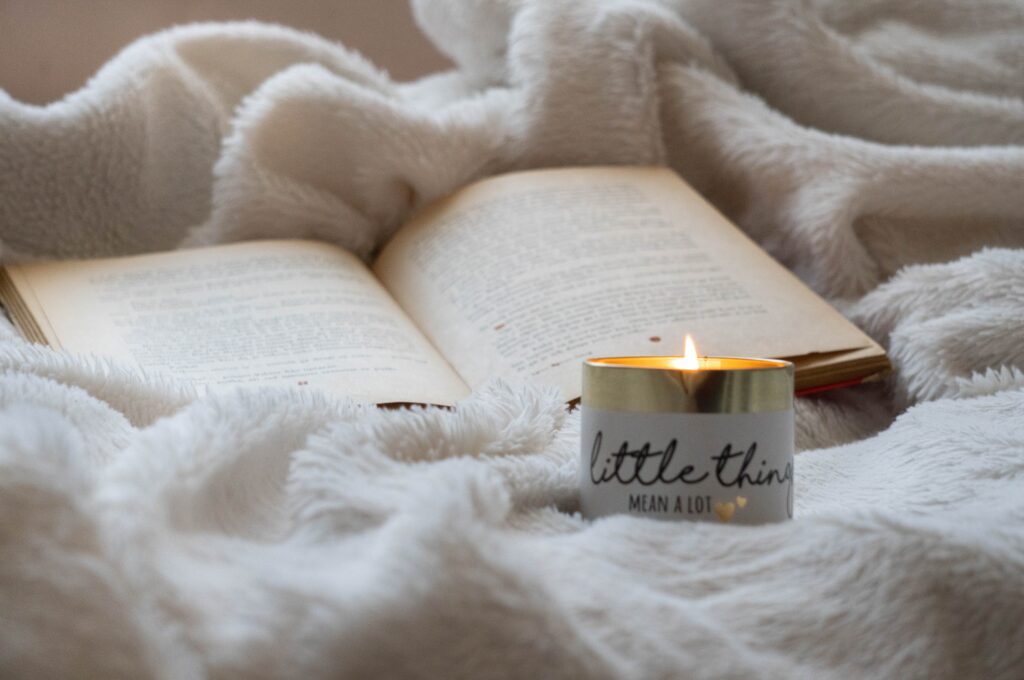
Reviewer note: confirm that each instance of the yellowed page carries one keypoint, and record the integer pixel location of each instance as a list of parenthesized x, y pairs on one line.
[(288, 313), (525, 275)]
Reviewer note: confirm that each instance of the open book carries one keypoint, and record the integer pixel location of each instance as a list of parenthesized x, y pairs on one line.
[(520, 276)]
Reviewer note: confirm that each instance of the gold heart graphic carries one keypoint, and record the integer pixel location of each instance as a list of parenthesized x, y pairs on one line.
[(741, 501), (725, 510)]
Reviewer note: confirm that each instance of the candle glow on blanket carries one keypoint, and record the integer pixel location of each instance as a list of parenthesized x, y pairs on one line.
[(687, 437)]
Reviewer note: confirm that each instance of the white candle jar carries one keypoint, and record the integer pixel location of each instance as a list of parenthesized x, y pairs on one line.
[(713, 443)]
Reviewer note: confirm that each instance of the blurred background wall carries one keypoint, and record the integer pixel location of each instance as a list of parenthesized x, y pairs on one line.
[(50, 47)]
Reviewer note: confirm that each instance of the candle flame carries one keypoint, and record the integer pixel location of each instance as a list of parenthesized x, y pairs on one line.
[(689, 361)]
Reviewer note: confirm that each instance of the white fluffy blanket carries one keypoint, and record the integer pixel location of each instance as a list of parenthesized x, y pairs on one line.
[(875, 147)]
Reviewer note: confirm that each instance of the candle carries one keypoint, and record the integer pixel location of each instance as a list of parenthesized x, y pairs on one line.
[(688, 438)]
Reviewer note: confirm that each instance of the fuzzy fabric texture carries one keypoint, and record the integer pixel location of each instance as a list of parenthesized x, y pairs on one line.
[(873, 147)]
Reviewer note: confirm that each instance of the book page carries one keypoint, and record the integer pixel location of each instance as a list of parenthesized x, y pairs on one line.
[(527, 274), (287, 313)]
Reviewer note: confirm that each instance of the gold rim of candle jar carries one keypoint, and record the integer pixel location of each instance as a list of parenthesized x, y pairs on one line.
[(721, 385)]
